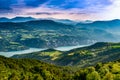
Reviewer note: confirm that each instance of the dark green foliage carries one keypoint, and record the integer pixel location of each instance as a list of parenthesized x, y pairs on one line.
[(100, 72), (28, 69)]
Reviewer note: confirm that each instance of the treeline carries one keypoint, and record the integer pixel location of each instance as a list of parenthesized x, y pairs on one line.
[(28, 69), (108, 71)]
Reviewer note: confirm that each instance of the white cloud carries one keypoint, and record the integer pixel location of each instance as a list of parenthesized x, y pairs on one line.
[(92, 12), (112, 11)]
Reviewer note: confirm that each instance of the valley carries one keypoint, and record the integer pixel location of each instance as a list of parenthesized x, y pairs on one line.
[(30, 50), (59, 49), (52, 34), (80, 57)]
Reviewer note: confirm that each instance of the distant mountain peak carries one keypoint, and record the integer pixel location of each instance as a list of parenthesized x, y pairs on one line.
[(16, 19), (22, 17)]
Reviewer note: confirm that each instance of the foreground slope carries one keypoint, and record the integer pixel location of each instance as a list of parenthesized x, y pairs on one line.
[(86, 56), (28, 69)]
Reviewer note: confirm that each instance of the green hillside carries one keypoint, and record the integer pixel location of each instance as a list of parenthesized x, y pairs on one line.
[(29, 69), (83, 57)]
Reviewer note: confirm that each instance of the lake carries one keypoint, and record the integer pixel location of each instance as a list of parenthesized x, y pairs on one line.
[(64, 48)]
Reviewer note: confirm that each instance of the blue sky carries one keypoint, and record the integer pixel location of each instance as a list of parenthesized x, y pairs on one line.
[(70, 9)]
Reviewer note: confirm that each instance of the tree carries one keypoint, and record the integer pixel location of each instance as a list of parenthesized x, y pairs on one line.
[(108, 76), (93, 76)]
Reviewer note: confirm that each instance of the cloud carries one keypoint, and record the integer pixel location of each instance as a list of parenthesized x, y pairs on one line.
[(34, 3), (70, 9), (81, 4), (112, 11), (45, 13), (5, 5), (66, 4)]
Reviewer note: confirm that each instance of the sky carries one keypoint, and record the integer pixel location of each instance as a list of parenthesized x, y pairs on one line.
[(62, 9)]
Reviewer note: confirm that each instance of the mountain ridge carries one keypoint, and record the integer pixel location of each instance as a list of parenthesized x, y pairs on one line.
[(16, 19), (86, 56), (50, 34), (31, 69)]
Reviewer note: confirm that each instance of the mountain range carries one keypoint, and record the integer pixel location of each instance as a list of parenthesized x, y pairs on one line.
[(112, 26), (24, 33), (16, 19)]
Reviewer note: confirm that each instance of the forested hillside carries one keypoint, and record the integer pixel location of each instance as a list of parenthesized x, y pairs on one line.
[(29, 69)]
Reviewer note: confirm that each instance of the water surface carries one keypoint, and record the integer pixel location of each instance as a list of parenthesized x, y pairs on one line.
[(64, 48)]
